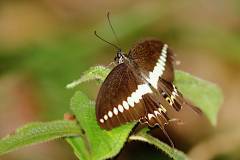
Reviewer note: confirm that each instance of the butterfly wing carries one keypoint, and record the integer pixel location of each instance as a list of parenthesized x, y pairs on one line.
[(154, 59), (156, 113), (119, 100), (174, 97), (171, 94)]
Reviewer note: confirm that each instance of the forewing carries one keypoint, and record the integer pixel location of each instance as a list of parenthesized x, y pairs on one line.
[(154, 59), (118, 100)]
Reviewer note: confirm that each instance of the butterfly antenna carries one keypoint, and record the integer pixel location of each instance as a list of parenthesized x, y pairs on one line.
[(111, 26), (115, 46)]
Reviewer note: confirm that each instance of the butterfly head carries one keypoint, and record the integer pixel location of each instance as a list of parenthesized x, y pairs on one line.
[(120, 57)]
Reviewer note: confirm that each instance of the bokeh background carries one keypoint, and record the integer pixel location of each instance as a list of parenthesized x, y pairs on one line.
[(46, 44)]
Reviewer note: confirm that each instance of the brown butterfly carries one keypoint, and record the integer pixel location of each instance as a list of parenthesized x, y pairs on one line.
[(140, 87)]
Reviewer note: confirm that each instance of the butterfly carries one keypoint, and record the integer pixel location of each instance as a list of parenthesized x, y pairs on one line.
[(140, 88)]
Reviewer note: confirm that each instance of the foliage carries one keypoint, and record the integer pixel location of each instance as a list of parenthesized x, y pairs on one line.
[(145, 137), (38, 132), (205, 95), (89, 141)]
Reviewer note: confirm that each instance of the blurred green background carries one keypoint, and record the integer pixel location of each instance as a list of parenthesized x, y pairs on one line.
[(46, 44)]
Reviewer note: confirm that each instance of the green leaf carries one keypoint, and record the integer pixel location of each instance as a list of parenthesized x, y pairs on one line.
[(203, 94), (172, 153), (93, 73), (38, 132), (96, 144)]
